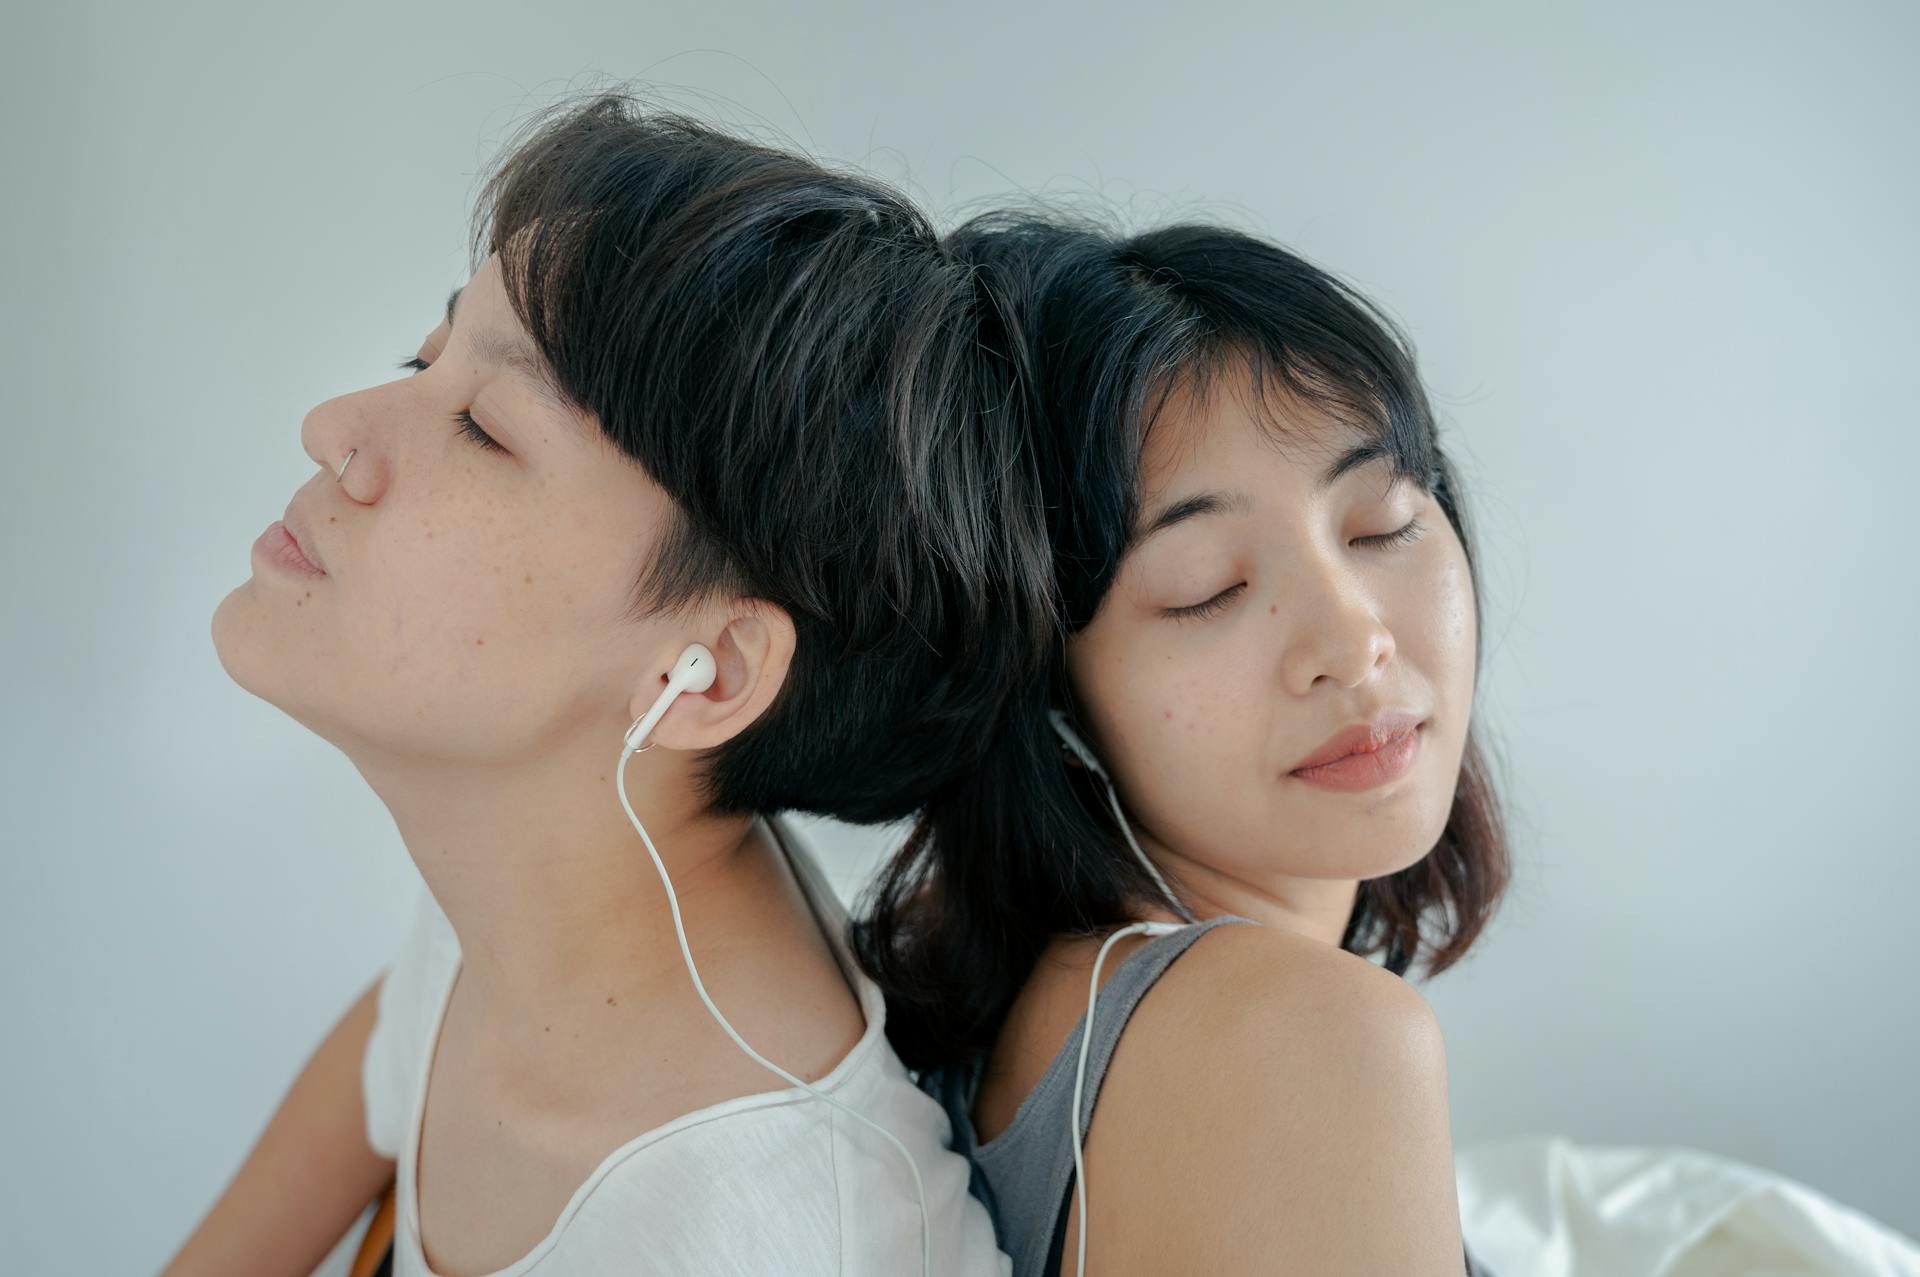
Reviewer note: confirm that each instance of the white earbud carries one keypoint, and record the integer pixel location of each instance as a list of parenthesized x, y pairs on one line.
[(1086, 755), (1073, 742), (693, 672)]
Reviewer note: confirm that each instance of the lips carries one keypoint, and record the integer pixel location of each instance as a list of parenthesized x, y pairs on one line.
[(297, 529), (1361, 738)]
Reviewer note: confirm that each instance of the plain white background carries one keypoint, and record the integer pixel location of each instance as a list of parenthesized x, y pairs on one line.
[(1660, 265)]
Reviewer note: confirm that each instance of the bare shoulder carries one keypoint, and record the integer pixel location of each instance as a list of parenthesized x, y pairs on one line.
[(1274, 1095), (1262, 1025), (1267, 993)]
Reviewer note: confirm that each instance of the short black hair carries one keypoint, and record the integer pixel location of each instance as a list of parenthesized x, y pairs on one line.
[(795, 357), (1026, 848)]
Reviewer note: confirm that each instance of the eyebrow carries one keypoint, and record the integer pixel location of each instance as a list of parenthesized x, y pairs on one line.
[(1236, 502), (518, 358)]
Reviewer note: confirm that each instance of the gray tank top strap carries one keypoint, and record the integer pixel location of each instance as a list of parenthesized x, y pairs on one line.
[(1024, 1175), (1028, 1167), (1119, 995)]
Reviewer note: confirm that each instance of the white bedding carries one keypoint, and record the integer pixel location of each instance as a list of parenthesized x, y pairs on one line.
[(1546, 1207)]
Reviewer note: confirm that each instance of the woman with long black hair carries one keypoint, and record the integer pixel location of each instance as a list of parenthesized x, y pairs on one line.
[(1258, 710)]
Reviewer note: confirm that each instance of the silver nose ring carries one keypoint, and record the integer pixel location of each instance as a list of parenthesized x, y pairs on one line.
[(344, 465)]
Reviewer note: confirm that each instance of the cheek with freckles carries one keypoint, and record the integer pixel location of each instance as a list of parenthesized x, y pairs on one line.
[(1438, 638), (1179, 711), (1457, 630), (1181, 738), (1447, 649), (478, 640)]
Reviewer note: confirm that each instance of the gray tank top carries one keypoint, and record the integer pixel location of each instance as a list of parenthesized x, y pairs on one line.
[(1024, 1175)]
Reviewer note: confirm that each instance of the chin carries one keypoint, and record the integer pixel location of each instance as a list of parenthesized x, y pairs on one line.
[(249, 650), (221, 629), (1364, 854)]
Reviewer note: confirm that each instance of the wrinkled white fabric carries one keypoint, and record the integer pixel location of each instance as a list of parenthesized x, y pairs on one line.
[(1546, 1207)]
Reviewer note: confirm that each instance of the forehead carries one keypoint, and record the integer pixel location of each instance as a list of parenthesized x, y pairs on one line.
[(482, 313), (1224, 419)]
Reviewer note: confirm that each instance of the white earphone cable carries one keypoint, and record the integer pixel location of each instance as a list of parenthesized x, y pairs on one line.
[(1080, 750), (679, 929), (1080, 1073), (1087, 757)]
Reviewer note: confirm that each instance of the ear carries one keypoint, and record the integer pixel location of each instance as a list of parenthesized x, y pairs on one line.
[(752, 642), (1067, 754)]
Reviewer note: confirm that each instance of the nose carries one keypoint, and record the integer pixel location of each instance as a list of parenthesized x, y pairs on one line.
[(333, 430), (1340, 635)]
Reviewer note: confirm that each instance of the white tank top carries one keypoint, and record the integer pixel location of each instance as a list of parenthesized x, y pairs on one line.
[(776, 1182)]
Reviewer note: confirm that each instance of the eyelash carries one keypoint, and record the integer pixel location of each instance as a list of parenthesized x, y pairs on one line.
[(1385, 541), (463, 419), (1197, 611)]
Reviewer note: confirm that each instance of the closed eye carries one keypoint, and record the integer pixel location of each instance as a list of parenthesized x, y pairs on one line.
[(1412, 532), (471, 429), (1195, 611), (1404, 536), (463, 419)]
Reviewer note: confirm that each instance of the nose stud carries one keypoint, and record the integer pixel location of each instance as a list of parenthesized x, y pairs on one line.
[(344, 465)]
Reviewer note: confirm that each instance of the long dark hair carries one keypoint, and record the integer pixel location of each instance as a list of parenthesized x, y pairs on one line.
[(822, 388), (1023, 847)]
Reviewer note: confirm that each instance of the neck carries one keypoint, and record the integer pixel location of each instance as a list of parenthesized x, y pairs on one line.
[(557, 906), (1317, 908)]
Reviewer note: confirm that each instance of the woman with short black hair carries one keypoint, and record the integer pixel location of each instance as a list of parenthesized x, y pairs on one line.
[(698, 394)]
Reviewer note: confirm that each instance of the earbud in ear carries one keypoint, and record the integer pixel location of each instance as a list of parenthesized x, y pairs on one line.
[(1071, 739), (1085, 754), (693, 672)]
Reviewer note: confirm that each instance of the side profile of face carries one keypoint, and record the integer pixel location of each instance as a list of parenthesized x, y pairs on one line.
[(479, 556), (1257, 614)]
